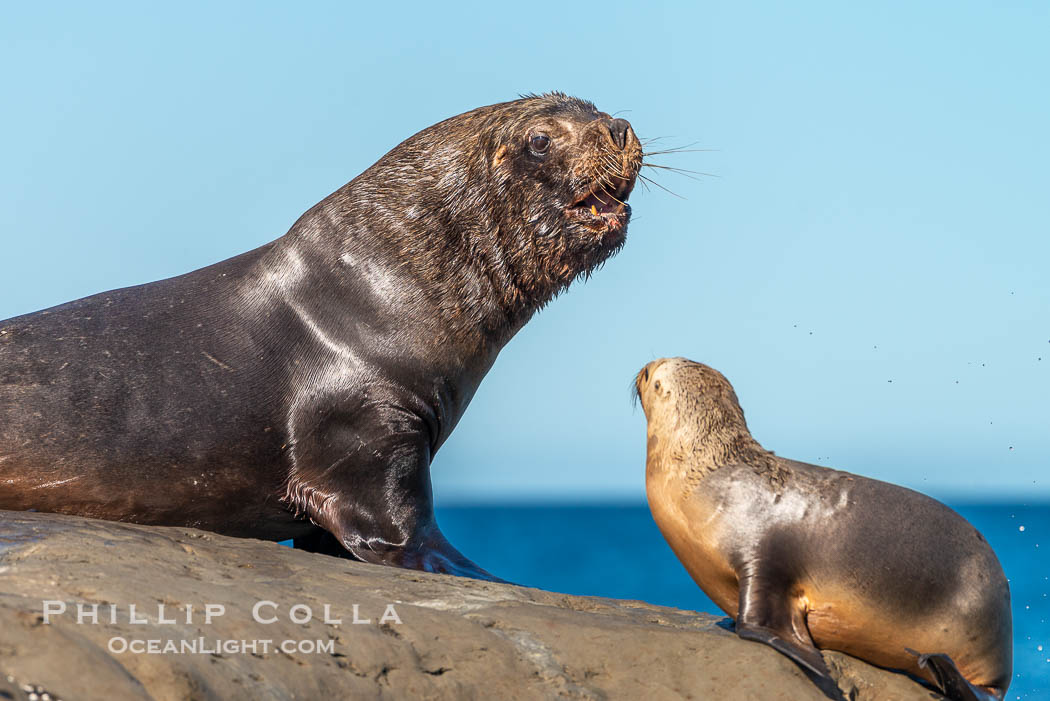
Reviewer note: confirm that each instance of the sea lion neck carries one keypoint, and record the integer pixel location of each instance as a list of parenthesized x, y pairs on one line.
[(695, 424), (692, 443), (443, 267), (465, 225)]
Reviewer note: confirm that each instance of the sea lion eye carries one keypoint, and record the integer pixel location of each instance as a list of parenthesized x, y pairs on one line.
[(656, 385), (539, 143)]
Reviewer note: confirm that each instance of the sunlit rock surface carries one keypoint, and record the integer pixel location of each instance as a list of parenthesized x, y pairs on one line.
[(456, 639)]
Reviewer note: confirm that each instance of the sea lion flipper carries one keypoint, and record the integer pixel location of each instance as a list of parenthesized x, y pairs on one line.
[(806, 657), (950, 679), (810, 658), (384, 463), (436, 555), (767, 615)]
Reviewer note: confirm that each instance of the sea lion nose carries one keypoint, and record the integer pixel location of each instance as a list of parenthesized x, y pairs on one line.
[(618, 129)]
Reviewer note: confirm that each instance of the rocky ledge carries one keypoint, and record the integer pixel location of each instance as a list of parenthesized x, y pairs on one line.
[(177, 613)]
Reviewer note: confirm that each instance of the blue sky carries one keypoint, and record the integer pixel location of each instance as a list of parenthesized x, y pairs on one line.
[(869, 266)]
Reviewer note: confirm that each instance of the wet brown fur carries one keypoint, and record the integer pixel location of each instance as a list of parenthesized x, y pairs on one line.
[(306, 385)]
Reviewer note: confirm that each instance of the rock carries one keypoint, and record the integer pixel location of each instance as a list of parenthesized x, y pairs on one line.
[(427, 636)]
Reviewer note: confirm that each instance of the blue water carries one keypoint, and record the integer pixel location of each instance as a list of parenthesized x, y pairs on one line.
[(617, 552)]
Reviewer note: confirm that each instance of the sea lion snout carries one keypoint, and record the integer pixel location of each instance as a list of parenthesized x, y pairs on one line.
[(658, 378), (642, 379), (607, 167), (620, 132)]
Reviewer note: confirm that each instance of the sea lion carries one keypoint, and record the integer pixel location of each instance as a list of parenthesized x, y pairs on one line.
[(806, 557), (301, 390)]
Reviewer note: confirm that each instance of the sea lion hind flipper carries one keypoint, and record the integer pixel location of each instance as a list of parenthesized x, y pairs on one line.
[(951, 681)]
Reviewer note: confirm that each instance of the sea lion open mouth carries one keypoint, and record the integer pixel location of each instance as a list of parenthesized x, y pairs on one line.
[(604, 205)]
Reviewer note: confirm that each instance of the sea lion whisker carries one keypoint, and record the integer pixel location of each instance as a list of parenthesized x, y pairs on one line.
[(597, 183), (612, 195), (612, 189), (595, 195), (679, 150), (612, 170), (683, 147), (691, 174), (653, 182), (605, 176), (615, 169), (635, 393)]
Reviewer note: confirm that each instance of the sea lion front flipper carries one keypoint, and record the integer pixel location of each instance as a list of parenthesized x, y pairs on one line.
[(435, 554), (808, 658), (767, 614), (950, 680), (366, 481)]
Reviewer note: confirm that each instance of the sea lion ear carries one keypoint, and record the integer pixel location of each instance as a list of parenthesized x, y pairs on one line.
[(501, 155)]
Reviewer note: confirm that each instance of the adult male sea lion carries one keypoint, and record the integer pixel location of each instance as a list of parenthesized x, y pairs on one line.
[(302, 389), (805, 557)]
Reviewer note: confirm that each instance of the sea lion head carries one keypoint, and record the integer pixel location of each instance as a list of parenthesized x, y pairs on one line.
[(534, 192), (566, 171), (694, 417), (695, 421), (679, 386)]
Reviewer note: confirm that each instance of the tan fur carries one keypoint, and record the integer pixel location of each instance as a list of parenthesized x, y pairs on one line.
[(704, 424), (695, 428)]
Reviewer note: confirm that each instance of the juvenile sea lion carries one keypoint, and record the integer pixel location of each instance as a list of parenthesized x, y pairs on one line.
[(806, 557), (300, 390)]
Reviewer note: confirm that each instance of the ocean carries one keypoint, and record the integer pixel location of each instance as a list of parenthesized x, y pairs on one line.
[(617, 551)]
